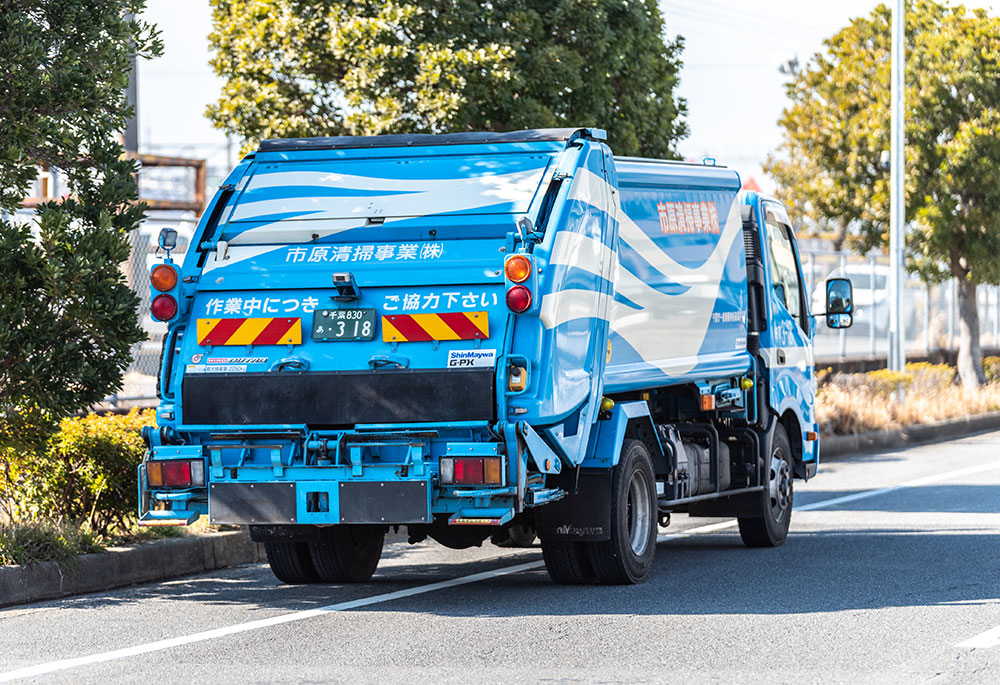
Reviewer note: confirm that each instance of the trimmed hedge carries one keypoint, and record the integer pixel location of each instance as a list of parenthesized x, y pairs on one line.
[(87, 473)]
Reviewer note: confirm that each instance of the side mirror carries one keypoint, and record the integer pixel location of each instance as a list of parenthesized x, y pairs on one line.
[(839, 303), (167, 239)]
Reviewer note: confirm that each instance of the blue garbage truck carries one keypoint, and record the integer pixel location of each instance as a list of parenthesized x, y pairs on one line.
[(481, 335)]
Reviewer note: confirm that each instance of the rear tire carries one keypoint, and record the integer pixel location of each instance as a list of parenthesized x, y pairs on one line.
[(350, 555), (290, 562), (627, 557), (770, 528), (567, 562)]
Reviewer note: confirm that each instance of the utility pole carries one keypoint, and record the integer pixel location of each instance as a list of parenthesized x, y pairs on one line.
[(897, 202), (131, 133)]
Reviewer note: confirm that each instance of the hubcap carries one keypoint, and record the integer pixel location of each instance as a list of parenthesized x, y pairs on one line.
[(779, 485), (639, 516)]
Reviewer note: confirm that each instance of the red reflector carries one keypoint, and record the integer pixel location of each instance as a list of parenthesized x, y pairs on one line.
[(176, 473), (519, 299), (163, 307), (469, 470)]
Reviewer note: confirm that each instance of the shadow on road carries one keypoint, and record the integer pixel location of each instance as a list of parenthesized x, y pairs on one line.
[(822, 571)]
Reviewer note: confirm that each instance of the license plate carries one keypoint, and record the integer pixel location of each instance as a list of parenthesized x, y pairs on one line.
[(338, 325)]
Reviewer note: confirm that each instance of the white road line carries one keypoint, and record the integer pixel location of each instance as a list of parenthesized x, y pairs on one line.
[(987, 640), (700, 530), (63, 664), (991, 637), (926, 480)]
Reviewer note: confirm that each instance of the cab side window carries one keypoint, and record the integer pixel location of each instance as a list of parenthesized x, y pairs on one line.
[(784, 270)]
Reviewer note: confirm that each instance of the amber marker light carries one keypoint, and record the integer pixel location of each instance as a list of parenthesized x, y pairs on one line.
[(163, 278), (517, 268)]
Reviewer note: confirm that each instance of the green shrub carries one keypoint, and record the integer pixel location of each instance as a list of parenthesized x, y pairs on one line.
[(87, 472), (30, 543), (884, 382), (23, 434), (991, 367)]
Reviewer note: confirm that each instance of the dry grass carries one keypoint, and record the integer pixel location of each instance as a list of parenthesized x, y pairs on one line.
[(855, 403)]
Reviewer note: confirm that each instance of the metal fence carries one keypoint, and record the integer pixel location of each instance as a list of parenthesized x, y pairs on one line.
[(930, 312), (139, 384)]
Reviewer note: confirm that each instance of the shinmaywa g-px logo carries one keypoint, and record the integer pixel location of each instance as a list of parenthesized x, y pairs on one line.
[(469, 359)]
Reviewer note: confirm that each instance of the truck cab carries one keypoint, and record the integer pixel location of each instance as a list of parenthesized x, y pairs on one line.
[(481, 335)]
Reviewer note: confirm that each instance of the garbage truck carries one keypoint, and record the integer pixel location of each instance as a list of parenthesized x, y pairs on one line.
[(481, 335)]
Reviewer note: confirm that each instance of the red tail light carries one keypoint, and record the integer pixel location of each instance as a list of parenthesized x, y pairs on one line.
[(471, 470), (468, 470), (519, 299), (163, 307), (175, 473)]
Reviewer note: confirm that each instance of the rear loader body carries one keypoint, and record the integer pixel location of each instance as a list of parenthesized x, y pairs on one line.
[(480, 334)]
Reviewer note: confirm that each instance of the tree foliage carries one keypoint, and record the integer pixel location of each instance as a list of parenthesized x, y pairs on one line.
[(86, 473), (339, 67), (67, 316), (838, 125)]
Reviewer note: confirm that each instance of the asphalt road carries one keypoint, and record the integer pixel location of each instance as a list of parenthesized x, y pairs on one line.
[(891, 574)]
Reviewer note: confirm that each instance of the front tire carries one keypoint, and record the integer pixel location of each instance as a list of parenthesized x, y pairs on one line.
[(770, 528), (350, 555), (627, 557)]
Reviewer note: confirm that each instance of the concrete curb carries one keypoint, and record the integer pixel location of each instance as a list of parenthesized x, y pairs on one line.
[(120, 566), (175, 557), (840, 446), (144, 563)]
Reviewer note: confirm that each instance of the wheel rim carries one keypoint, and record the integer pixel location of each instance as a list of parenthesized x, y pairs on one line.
[(779, 485), (639, 515)]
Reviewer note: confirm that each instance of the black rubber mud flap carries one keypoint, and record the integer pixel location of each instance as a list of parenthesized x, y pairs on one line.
[(583, 514)]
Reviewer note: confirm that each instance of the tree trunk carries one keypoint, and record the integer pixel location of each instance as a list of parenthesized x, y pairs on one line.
[(970, 366)]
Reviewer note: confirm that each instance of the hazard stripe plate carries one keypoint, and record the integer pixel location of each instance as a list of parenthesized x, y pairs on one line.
[(256, 331), (427, 327)]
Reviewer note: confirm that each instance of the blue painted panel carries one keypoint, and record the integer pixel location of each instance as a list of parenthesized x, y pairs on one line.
[(680, 303), (606, 450), (294, 202), (787, 346)]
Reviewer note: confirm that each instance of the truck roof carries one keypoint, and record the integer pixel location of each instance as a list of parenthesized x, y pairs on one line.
[(644, 172), (425, 139)]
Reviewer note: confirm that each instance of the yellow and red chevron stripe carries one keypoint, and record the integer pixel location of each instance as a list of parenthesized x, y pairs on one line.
[(425, 327), (257, 331)]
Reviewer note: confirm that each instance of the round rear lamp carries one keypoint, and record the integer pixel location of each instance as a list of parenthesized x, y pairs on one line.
[(163, 307), (519, 299), (163, 277), (517, 268)]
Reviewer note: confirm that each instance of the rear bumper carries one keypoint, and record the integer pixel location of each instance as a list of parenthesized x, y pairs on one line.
[(343, 477), (321, 502)]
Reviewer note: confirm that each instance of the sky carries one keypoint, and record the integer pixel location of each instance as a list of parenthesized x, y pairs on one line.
[(730, 77)]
